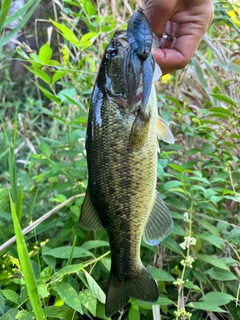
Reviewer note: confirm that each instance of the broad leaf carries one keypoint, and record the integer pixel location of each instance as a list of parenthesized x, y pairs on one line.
[(217, 298), (68, 295), (95, 288), (205, 306), (217, 262)]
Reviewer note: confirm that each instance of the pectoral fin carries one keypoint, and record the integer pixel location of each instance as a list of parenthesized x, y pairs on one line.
[(89, 218), (159, 224), (163, 131), (139, 131)]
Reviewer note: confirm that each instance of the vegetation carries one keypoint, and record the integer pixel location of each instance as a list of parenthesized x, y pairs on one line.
[(43, 175)]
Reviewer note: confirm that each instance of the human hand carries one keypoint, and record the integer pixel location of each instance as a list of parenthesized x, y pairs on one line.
[(185, 22)]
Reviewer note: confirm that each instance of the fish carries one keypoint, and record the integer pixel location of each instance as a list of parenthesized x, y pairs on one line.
[(122, 171)]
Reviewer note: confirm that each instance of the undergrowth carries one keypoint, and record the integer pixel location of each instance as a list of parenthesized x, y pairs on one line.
[(43, 175)]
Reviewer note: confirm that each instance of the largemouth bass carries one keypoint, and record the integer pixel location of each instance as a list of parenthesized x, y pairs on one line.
[(121, 194)]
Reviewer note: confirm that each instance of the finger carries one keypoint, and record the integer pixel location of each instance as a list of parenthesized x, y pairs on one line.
[(176, 55), (159, 12)]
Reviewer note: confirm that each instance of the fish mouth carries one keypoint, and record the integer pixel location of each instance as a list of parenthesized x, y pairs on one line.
[(121, 100), (138, 98)]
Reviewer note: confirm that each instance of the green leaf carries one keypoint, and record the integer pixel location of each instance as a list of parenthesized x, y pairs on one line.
[(207, 148), (200, 75), (66, 32), (219, 115), (43, 290), (89, 300), (75, 210), (216, 262), (217, 298), (178, 230), (64, 252), (193, 287), (205, 306), (10, 295), (10, 314), (106, 263), (24, 315), (91, 10), (229, 261), (94, 287), (46, 274), (225, 98), (172, 184), (40, 73), (48, 94), (212, 72), (203, 180), (199, 276), (176, 167), (162, 301), (2, 303), (212, 229), (69, 269), (45, 53), (220, 275), (134, 313), (58, 198), (61, 312), (221, 110), (93, 244), (57, 76), (171, 244), (234, 233), (87, 39), (216, 241), (45, 149), (160, 275), (68, 295)]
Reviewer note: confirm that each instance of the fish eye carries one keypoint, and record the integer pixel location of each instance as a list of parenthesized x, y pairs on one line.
[(111, 53)]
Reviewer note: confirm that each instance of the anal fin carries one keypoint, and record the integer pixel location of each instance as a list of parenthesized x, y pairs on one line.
[(89, 218), (159, 224)]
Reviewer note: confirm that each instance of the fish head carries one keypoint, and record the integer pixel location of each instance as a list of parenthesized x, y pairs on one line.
[(121, 73), (113, 68)]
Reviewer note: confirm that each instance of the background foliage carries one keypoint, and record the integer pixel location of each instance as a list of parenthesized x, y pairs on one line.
[(43, 170)]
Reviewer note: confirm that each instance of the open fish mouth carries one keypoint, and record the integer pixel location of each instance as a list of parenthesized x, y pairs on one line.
[(122, 101)]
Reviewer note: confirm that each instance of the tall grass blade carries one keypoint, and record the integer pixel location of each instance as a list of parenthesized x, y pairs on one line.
[(8, 37), (212, 72), (26, 266), (4, 12), (11, 161)]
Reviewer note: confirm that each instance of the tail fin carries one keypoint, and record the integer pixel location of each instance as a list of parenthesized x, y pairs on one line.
[(143, 288)]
